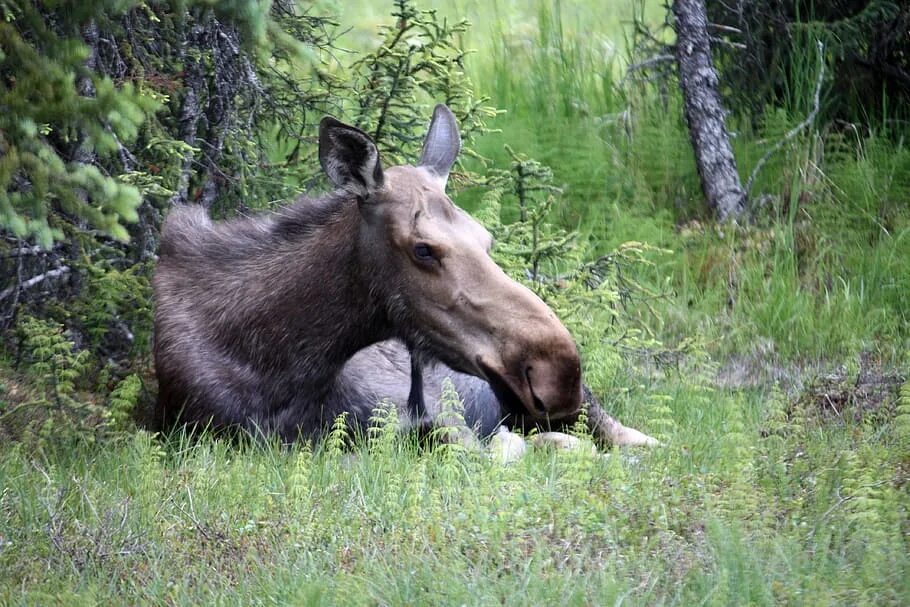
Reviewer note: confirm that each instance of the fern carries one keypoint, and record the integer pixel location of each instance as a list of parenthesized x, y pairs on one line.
[(384, 429), (339, 436), (299, 478), (116, 303), (869, 498), (862, 488), (58, 370), (902, 417), (450, 421), (777, 422), (873, 511), (123, 401), (53, 359), (580, 427)]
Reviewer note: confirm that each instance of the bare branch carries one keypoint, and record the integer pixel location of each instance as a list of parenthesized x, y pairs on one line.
[(4, 321), (651, 62), (27, 251), (723, 41), (725, 28), (799, 127), (31, 282)]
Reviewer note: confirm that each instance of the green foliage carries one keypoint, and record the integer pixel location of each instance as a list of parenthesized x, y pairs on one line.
[(767, 48), (419, 63), (339, 436), (56, 410), (113, 112), (593, 297), (59, 407), (765, 493), (559, 67), (47, 109), (116, 302), (451, 431), (384, 428), (902, 418), (531, 238), (54, 360), (367, 524), (123, 402)]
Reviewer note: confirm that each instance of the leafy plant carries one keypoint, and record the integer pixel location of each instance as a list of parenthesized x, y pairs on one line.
[(59, 116), (123, 402), (58, 368), (419, 63)]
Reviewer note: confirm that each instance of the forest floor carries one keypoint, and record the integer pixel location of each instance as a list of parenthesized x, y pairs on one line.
[(772, 363), (775, 485)]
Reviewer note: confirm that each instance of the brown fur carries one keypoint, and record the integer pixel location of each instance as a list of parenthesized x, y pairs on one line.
[(256, 318)]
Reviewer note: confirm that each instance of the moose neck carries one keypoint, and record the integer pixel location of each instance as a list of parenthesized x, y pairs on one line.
[(313, 307)]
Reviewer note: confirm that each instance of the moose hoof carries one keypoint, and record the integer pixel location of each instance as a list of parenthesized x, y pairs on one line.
[(630, 437)]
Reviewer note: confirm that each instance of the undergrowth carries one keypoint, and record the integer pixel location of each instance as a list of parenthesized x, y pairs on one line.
[(752, 352), (772, 508)]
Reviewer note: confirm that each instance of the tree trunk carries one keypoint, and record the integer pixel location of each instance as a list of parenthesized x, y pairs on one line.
[(704, 112)]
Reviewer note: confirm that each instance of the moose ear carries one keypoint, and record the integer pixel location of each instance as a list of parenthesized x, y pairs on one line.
[(349, 157), (442, 144)]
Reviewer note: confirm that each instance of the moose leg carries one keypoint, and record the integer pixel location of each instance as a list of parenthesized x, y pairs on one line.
[(386, 371), (609, 430), (447, 428), (604, 428), (416, 405)]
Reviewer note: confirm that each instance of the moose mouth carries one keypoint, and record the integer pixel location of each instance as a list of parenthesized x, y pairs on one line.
[(507, 396)]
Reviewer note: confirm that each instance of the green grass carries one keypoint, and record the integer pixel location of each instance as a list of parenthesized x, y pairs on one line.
[(823, 272), (748, 504), (784, 487)]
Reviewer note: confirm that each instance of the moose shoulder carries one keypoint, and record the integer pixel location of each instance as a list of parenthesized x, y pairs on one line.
[(256, 318)]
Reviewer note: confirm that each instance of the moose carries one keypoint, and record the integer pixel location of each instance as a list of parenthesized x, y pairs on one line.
[(278, 324)]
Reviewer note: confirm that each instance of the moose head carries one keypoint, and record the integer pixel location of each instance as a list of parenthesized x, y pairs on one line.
[(430, 263)]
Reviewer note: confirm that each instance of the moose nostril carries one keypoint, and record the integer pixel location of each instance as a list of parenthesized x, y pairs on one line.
[(538, 403), (528, 370)]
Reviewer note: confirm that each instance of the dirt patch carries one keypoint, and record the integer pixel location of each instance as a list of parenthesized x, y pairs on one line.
[(762, 367), (830, 389), (871, 390)]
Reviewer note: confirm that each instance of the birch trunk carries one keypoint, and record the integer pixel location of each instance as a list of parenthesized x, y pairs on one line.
[(704, 113)]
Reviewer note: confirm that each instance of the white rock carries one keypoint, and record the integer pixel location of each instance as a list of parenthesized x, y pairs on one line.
[(559, 440), (506, 446)]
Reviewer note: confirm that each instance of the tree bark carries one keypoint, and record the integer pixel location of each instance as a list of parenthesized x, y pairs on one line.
[(704, 112)]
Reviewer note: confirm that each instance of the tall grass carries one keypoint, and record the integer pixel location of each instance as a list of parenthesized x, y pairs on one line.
[(822, 274), (748, 513), (766, 493)]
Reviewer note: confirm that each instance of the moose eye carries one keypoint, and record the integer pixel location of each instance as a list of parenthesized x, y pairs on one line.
[(423, 252)]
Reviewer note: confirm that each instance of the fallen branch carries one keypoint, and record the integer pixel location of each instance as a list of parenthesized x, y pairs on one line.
[(31, 282), (26, 251), (799, 127)]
